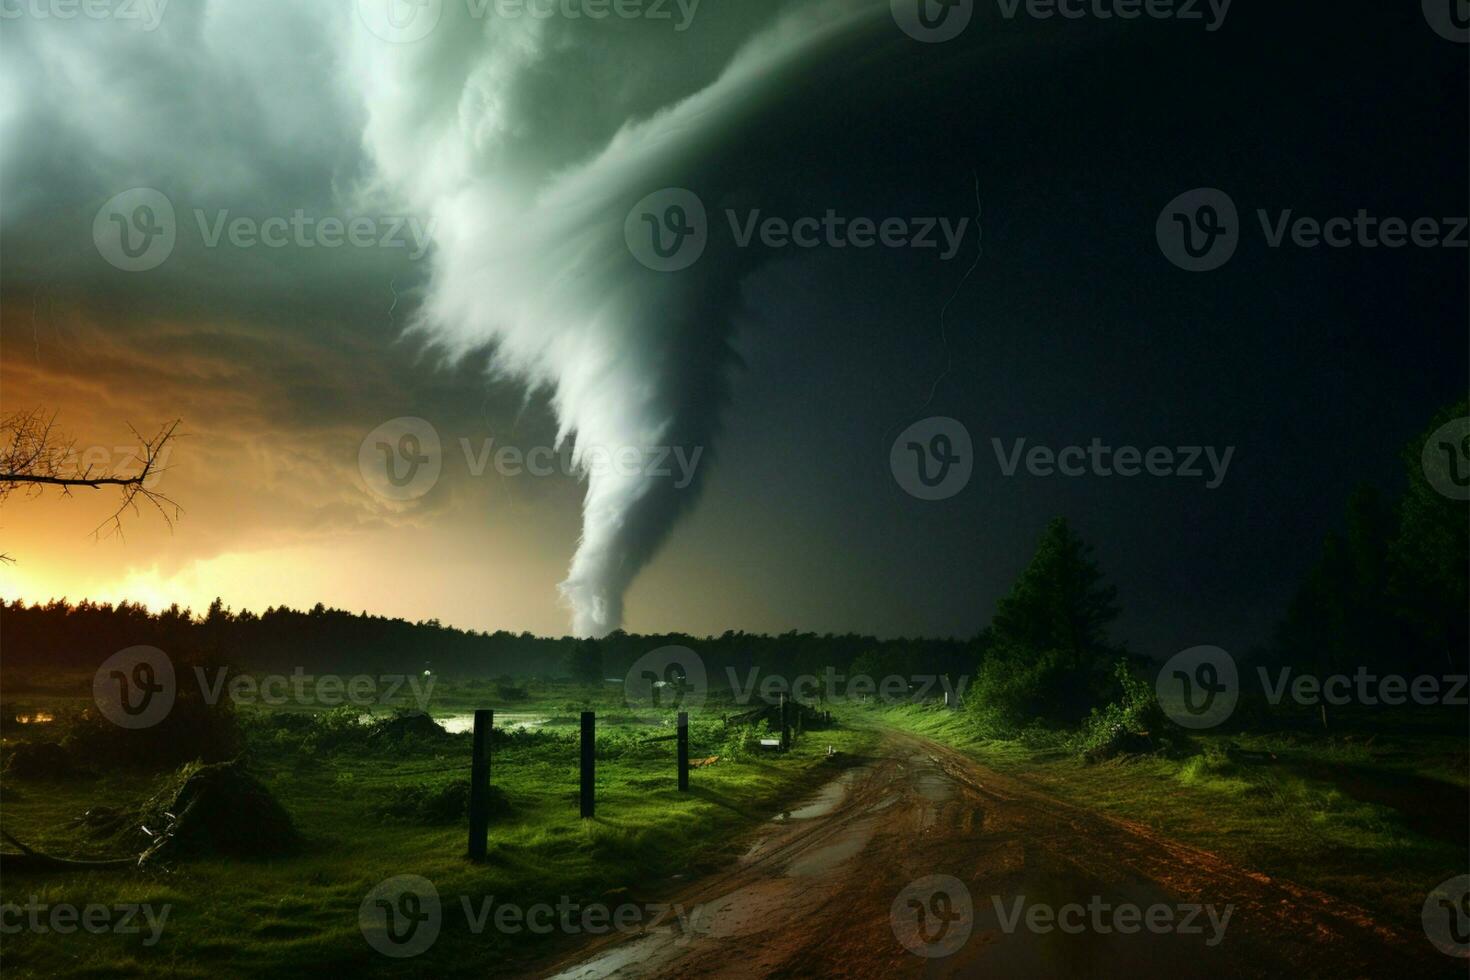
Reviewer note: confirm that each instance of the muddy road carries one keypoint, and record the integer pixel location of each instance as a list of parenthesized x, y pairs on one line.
[(917, 862)]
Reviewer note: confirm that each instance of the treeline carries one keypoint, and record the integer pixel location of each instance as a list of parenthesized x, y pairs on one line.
[(1388, 594), (1389, 590), (78, 637)]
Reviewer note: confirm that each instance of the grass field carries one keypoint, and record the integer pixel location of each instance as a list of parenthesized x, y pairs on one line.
[(1373, 818), (295, 914)]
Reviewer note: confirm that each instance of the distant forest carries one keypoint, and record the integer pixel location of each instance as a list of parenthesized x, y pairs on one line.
[(61, 635), (1388, 591)]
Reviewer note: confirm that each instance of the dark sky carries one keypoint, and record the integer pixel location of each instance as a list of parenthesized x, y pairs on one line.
[(1316, 364)]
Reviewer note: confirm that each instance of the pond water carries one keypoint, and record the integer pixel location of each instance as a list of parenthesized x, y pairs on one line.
[(465, 721)]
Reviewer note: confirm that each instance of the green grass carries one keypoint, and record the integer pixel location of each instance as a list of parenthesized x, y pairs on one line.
[(1376, 819), (295, 915)]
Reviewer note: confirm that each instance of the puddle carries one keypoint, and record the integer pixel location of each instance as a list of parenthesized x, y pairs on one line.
[(465, 721), (824, 803), (611, 963)]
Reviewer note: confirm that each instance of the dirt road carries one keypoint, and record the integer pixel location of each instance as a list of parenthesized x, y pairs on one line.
[(917, 862)]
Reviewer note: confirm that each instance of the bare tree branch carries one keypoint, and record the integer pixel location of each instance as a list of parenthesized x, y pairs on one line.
[(34, 456)]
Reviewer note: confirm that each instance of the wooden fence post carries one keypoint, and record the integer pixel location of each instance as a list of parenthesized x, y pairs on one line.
[(480, 783), (589, 761), (683, 751)]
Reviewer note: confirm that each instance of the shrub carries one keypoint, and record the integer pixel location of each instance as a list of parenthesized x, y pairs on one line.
[(1128, 724), (194, 728)]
